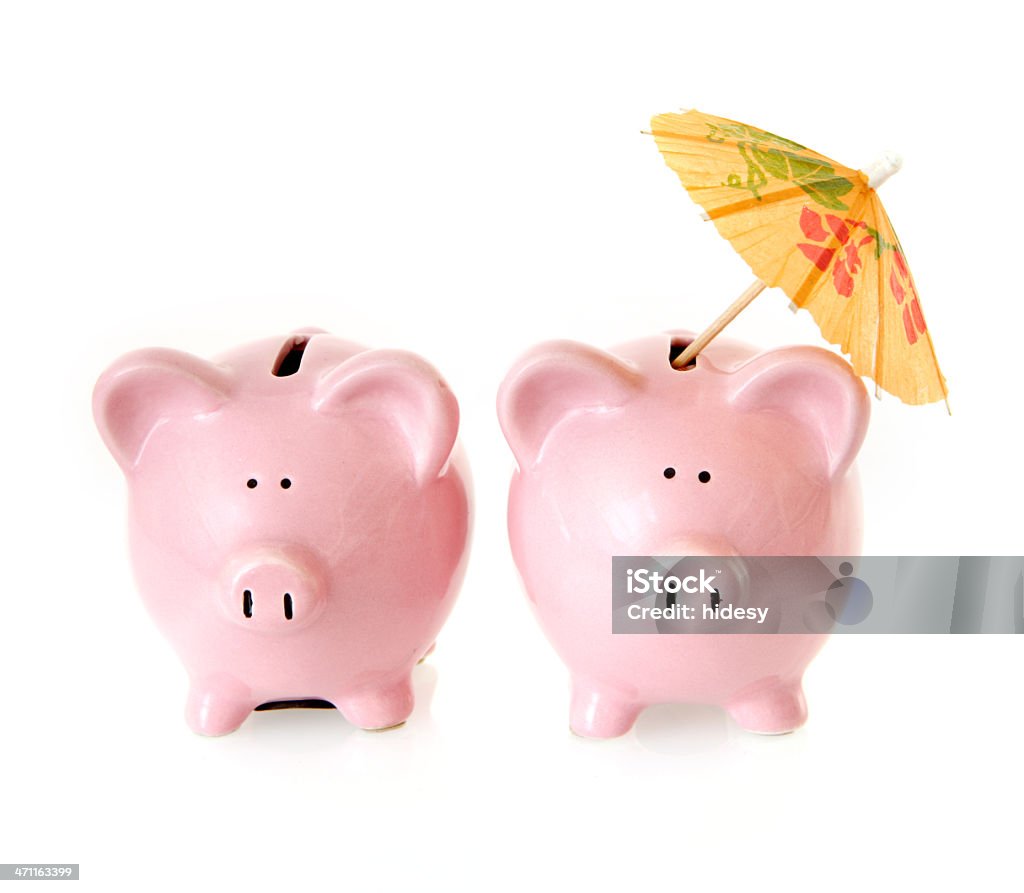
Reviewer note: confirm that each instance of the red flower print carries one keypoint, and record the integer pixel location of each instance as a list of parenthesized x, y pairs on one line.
[(902, 285), (845, 258), (810, 223)]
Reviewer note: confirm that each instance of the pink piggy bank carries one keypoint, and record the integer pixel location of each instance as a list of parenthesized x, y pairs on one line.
[(298, 519), (620, 454)]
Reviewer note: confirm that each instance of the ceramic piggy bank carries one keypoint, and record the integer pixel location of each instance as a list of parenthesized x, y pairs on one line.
[(618, 453), (298, 517)]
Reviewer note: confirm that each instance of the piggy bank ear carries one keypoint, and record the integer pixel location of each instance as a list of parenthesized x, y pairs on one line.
[(818, 390), (406, 391), (556, 380), (148, 387)]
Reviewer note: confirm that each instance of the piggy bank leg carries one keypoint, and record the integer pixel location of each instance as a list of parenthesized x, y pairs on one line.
[(379, 708), (217, 705), (597, 712), (773, 710)]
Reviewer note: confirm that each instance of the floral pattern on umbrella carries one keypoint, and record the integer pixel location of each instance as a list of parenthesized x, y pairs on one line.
[(844, 260)]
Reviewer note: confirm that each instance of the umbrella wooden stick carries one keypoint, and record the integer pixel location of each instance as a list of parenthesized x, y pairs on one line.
[(730, 313)]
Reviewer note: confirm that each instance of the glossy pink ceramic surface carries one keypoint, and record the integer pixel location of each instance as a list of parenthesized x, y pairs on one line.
[(593, 432), (297, 536)]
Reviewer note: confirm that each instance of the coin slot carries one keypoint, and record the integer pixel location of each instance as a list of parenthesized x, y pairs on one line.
[(290, 357), (677, 346)]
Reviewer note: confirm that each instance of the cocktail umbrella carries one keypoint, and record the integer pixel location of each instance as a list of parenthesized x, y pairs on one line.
[(817, 230)]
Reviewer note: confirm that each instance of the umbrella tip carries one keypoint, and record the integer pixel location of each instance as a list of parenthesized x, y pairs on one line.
[(882, 168)]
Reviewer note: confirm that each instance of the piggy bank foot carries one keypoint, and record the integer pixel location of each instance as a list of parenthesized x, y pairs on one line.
[(379, 708), (218, 706), (597, 713), (773, 711)]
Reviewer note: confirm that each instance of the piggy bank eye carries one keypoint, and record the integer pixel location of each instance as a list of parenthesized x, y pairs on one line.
[(670, 473), (704, 477), (285, 483), (251, 483)]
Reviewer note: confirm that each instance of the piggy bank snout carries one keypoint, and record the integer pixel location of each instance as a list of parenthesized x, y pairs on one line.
[(713, 561), (696, 547), (274, 592)]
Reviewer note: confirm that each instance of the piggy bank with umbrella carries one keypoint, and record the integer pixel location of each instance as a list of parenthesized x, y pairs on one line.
[(684, 445)]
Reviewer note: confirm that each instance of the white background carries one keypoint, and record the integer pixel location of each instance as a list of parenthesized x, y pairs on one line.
[(464, 181)]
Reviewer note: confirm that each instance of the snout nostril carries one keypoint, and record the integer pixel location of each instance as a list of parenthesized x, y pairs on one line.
[(288, 606), (247, 603)]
